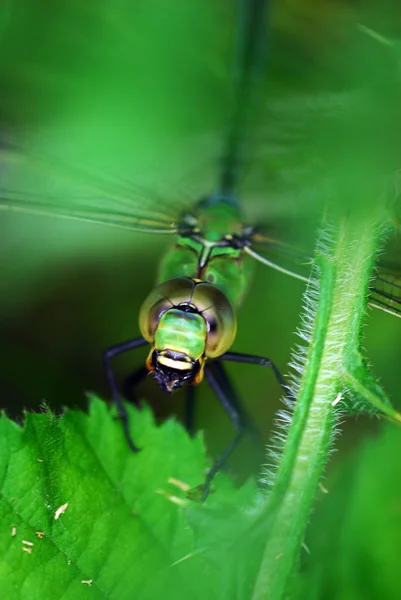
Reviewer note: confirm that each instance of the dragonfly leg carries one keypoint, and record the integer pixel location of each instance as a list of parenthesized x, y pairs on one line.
[(218, 386), (107, 356), (190, 399), (231, 393), (131, 382), (251, 359)]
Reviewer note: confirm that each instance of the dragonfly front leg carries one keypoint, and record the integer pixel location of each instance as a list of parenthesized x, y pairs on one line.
[(221, 385), (235, 401), (218, 385), (131, 382), (251, 359), (190, 398), (107, 356)]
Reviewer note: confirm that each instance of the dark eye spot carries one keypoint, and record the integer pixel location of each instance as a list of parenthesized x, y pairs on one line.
[(212, 326), (210, 278)]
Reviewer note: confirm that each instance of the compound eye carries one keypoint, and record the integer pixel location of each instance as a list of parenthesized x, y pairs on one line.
[(219, 316), (167, 295)]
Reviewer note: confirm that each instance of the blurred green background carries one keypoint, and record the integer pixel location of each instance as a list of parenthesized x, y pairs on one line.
[(139, 90)]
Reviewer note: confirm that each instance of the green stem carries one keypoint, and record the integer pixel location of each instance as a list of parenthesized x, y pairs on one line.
[(334, 329)]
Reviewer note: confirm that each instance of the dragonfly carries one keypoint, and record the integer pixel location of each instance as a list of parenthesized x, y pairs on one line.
[(189, 319)]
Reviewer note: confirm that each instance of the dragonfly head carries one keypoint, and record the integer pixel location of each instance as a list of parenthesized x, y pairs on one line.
[(186, 321), (178, 349)]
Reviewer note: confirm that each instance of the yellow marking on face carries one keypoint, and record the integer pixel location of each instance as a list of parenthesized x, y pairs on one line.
[(174, 364)]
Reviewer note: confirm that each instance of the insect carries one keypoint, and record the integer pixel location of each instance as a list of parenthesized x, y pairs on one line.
[(189, 318)]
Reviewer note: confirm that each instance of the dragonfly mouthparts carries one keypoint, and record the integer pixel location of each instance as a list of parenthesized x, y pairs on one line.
[(171, 370)]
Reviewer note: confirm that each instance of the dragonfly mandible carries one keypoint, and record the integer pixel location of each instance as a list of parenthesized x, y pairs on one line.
[(189, 318)]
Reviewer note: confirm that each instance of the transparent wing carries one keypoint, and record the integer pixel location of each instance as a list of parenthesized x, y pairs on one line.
[(280, 256), (44, 185), (80, 210), (39, 184), (269, 246), (385, 292)]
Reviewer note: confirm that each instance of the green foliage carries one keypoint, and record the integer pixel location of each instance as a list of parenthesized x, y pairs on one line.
[(128, 530), (133, 93), (354, 539)]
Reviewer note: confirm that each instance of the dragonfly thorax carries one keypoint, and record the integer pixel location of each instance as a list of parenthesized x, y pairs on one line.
[(187, 321), (215, 223)]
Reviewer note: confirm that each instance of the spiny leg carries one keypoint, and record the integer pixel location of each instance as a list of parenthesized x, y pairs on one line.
[(251, 359), (218, 387), (107, 356)]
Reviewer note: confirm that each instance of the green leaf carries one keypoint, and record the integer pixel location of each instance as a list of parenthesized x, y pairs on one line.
[(83, 517), (355, 536)]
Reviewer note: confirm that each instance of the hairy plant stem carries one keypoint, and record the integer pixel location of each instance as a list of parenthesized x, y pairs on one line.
[(335, 309)]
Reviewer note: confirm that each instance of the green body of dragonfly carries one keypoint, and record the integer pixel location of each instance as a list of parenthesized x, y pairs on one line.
[(189, 319), (190, 316)]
